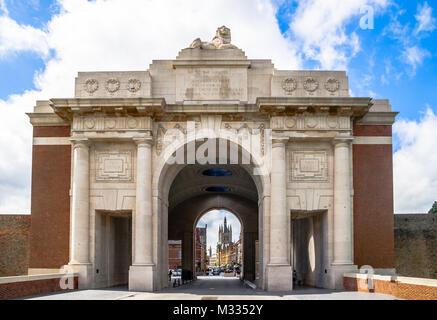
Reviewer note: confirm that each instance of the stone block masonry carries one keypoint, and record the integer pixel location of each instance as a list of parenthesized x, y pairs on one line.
[(416, 245), (14, 245)]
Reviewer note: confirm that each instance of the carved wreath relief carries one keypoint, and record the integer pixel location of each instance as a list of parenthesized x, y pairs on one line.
[(289, 85), (133, 85), (311, 85), (332, 85), (91, 86), (112, 85)]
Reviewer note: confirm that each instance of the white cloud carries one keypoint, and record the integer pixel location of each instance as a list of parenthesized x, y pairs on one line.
[(411, 52), (414, 56), (15, 38), (425, 21), (3, 7), (16, 153), (415, 170), (318, 28), (214, 219)]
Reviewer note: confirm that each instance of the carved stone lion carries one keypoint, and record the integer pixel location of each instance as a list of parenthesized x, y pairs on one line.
[(222, 40)]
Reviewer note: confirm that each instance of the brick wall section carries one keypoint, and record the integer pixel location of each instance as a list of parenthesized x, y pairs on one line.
[(416, 245), (373, 200), (53, 131), (29, 288), (14, 245), (50, 218), (397, 289), (174, 256), (372, 131)]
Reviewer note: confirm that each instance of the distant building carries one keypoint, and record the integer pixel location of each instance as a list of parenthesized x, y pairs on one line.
[(225, 246), (236, 256), (201, 262), (174, 254)]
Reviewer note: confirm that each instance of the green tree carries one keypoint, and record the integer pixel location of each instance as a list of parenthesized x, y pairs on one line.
[(433, 209)]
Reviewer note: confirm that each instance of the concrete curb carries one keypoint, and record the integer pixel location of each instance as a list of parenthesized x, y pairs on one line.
[(250, 284)]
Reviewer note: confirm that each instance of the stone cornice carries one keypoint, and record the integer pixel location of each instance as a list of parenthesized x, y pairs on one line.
[(46, 119), (378, 118), (66, 108), (356, 107), (211, 63)]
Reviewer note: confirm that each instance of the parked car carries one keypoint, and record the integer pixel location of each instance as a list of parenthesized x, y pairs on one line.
[(216, 272)]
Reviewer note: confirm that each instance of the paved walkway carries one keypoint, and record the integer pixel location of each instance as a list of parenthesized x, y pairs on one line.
[(212, 288)]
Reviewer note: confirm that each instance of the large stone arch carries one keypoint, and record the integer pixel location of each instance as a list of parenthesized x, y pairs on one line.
[(164, 175)]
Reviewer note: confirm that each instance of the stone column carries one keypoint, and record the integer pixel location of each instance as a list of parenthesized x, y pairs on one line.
[(279, 273), (249, 254), (343, 251), (141, 273), (80, 207), (188, 253)]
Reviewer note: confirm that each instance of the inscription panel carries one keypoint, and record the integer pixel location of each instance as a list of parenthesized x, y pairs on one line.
[(211, 84), (113, 166), (309, 166)]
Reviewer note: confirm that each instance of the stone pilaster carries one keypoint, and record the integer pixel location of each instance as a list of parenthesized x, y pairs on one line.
[(279, 272), (343, 228), (141, 273), (80, 207)]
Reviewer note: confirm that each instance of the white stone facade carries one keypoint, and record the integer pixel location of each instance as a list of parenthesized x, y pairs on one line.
[(119, 125)]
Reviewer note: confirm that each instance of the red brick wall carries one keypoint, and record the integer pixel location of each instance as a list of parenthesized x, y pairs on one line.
[(395, 288), (173, 256), (373, 200), (372, 131), (50, 218), (54, 131), (28, 288)]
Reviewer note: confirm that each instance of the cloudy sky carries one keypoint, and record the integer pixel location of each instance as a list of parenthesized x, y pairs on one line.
[(214, 219), (43, 44)]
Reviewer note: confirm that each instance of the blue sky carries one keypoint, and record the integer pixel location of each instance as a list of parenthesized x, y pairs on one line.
[(43, 44), (17, 70), (367, 69)]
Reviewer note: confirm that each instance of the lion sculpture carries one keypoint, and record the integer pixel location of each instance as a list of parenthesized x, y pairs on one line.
[(222, 40)]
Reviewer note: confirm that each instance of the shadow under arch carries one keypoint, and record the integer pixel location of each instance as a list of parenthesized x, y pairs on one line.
[(162, 180), (184, 218)]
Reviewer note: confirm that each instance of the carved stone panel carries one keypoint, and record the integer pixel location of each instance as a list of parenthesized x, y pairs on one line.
[(216, 84), (309, 122), (113, 166), (309, 166), (102, 123), (128, 84)]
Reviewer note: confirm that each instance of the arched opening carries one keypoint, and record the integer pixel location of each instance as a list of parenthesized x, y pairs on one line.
[(185, 192), (218, 245)]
